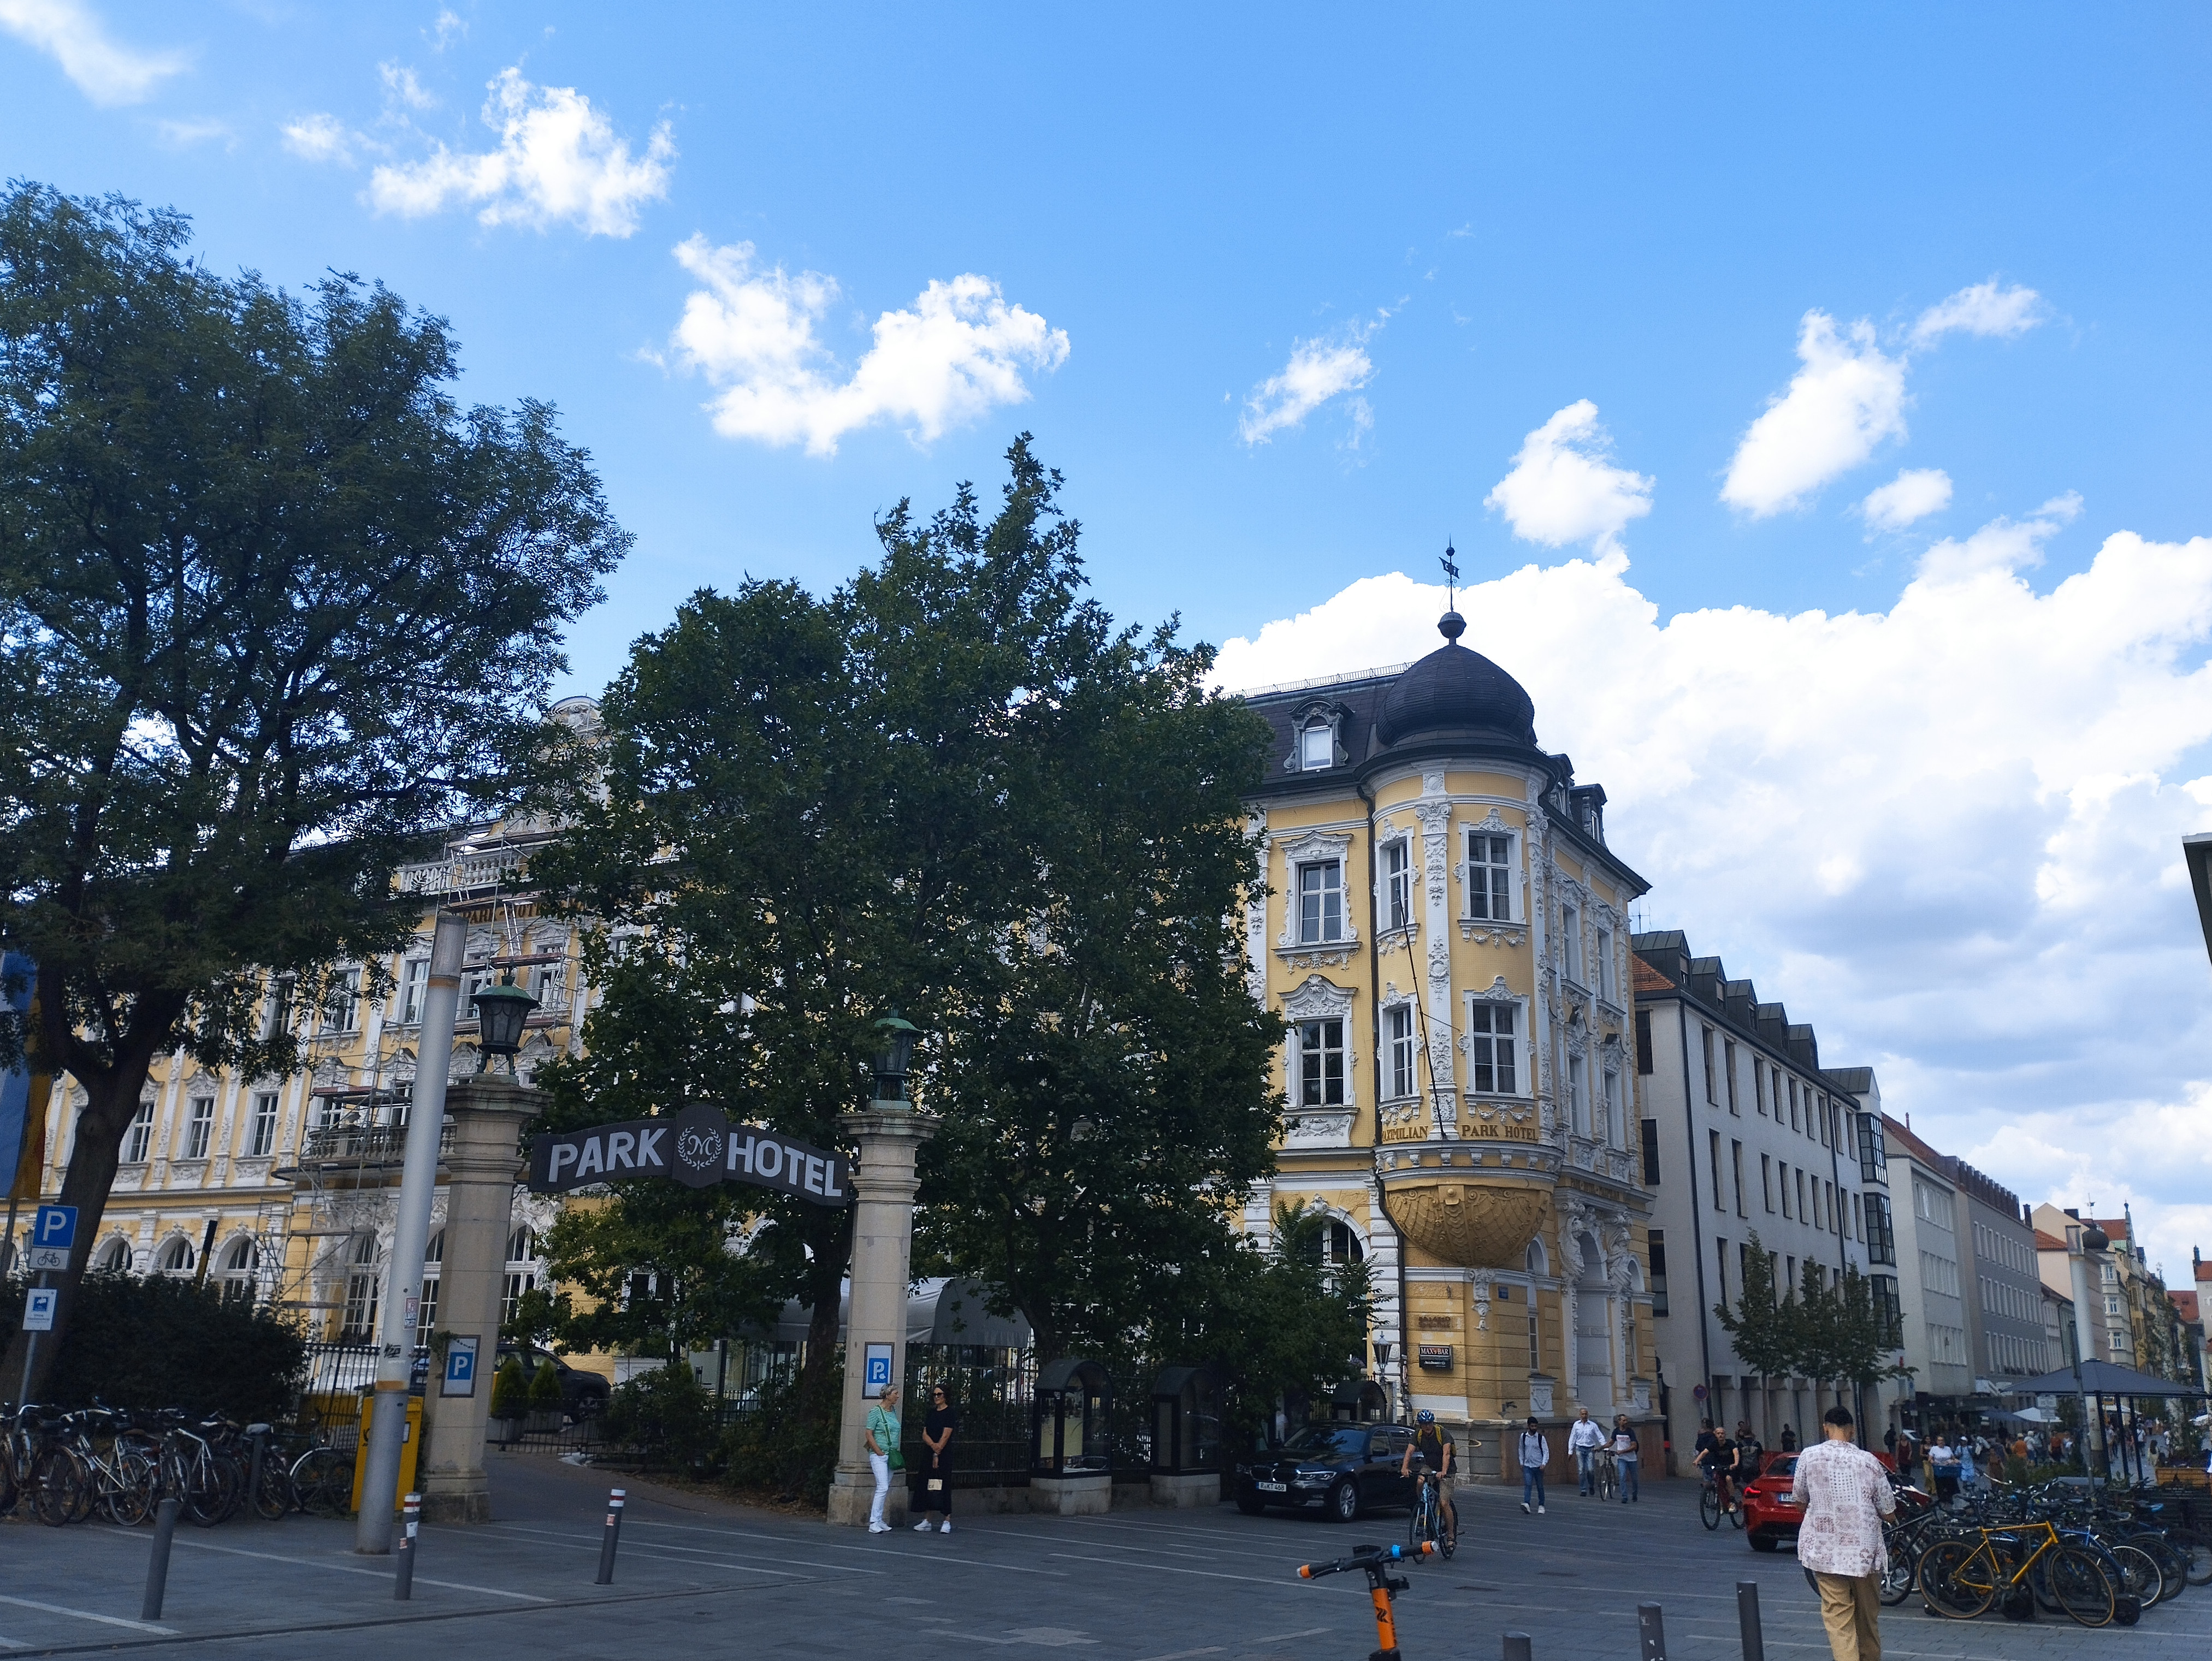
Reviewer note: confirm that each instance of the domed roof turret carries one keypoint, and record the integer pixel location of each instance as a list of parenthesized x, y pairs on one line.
[(1454, 690)]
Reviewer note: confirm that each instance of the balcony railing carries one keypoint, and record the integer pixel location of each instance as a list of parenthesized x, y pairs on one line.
[(364, 1144)]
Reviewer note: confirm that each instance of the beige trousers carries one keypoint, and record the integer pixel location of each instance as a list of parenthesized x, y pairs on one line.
[(1848, 1606)]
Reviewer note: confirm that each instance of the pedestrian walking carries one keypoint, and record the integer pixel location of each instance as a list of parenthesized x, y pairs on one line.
[(1788, 1438), (1628, 1459), (934, 1491), (1969, 1472), (1535, 1454), (881, 1441), (1845, 1495), (1584, 1438), (1943, 1469), (1749, 1455)]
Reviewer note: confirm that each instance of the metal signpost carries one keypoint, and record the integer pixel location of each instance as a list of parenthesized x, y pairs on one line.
[(53, 1231)]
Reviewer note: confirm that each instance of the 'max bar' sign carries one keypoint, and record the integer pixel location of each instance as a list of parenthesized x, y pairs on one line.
[(697, 1148)]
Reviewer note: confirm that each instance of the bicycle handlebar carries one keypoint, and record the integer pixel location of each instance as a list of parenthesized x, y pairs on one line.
[(1367, 1557)]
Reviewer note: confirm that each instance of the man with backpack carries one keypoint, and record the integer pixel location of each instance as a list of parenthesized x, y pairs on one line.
[(1435, 1448), (1535, 1454)]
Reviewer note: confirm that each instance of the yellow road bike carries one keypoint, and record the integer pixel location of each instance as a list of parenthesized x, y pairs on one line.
[(2018, 1565)]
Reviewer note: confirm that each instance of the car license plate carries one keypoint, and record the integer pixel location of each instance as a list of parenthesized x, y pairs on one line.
[(1273, 1487)]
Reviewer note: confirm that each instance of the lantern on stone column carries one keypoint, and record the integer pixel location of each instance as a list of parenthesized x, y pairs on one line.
[(501, 1012), (895, 1041)]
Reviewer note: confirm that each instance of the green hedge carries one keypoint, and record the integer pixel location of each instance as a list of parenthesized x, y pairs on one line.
[(165, 1343)]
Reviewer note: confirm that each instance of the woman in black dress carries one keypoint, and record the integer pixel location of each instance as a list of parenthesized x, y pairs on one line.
[(933, 1482)]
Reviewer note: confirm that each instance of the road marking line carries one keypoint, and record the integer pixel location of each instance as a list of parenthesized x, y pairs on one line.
[(1284, 1583), (658, 1554), (1184, 1655), (335, 1568), (1278, 1637), (10, 1644), (872, 1551), (87, 1615)]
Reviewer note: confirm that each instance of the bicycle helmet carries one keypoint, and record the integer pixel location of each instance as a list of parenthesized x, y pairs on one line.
[(1424, 1417)]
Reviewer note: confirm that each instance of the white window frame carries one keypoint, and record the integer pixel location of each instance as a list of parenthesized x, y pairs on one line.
[(199, 1127), (263, 1134), (1578, 1094), (1570, 941), (341, 1010), (1398, 883), (1316, 744), (1480, 1045), (1616, 1125), (1488, 878), (414, 988), (1311, 1040), (138, 1140), (1320, 932), (1401, 1050), (1607, 986)]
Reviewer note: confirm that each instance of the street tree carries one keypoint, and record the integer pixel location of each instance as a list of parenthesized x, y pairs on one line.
[(273, 606), (1764, 1327)]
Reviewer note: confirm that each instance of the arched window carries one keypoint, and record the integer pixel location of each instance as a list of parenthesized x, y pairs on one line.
[(1344, 1245), (175, 1257), (241, 1266), (360, 1294), (114, 1257), (1536, 1262)]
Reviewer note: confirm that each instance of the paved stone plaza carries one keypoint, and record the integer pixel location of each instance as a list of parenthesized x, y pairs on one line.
[(698, 1576)]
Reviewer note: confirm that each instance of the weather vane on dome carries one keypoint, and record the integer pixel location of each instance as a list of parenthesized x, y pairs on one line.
[(1450, 563)]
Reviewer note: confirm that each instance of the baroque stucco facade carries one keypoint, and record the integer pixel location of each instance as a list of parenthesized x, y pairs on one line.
[(1445, 933)]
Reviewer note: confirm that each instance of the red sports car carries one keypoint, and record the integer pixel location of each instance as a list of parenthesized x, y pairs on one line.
[(1770, 1517)]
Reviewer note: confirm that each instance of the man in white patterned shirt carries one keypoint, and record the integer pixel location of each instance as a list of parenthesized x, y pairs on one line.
[(1845, 1493)]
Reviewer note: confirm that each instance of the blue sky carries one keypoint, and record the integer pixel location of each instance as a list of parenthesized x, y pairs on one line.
[(1642, 306)]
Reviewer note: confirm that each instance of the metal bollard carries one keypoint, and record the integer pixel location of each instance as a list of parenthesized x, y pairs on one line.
[(1746, 1616), (611, 1539), (1652, 1631), (259, 1436), (157, 1566), (403, 1566), (1516, 1646)]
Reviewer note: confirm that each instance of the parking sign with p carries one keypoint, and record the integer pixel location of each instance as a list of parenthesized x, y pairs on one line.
[(53, 1231)]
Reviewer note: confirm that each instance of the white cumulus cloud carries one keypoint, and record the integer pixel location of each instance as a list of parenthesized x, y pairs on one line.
[(1986, 309), (1847, 398), (1912, 495), (559, 162), (1562, 490), (1946, 833), (1318, 370), (322, 138), (105, 70), (959, 352), (401, 86)]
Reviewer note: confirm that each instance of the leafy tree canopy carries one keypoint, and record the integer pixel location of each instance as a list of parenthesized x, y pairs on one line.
[(272, 606)]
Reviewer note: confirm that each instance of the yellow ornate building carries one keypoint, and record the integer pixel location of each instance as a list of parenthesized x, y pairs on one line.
[(1445, 934)]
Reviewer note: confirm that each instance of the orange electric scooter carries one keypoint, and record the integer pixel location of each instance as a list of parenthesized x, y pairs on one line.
[(1375, 1561)]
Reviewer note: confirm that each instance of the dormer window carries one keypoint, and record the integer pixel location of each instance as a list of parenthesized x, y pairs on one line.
[(1315, 739), (1317, 745)]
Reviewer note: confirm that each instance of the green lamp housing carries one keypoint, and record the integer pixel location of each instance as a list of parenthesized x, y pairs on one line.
[(896, 1037), (501, 1012)]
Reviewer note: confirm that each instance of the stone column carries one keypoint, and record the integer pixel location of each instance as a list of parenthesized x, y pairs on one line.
[(486, 1114), (890, 1135)]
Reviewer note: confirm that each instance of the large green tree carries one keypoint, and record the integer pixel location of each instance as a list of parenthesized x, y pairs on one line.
[(954, 785), (1766, 1327), (272, 606)]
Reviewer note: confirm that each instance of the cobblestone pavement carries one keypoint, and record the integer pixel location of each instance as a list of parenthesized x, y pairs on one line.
[(1140, 1585)]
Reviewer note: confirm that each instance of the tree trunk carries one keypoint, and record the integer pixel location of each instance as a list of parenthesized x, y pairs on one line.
[(112, 1102)]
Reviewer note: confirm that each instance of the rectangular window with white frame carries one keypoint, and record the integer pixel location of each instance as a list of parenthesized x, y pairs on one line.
[(1489, 876), (1606, 987), (138, 1140), (1612, 1132), (1494, 1062), (1320, 1063), (414, 986), (199, 1127), (262, 1141), (1571, 944), (1316, 744), (1578, 1094), (340, 1001), (1398, 884), (1321, 901), (1401, 1061)]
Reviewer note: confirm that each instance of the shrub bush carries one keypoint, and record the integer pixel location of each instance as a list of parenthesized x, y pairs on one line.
[(545, 1389), (776, 1449), (510, 1390), (666, 1415), (166, 1342)]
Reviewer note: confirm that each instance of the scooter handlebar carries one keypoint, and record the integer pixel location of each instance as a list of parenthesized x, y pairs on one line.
[(1365, 1557)]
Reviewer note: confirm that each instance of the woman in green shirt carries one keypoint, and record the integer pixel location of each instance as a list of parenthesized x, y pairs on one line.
[(882, 1441)]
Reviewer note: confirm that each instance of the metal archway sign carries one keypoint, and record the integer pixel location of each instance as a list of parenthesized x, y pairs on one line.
[(698, 1147)]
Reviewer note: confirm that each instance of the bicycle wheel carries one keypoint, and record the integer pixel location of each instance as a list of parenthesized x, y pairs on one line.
[(2138, 1573), (211, 1491), (131, 1487), (1896, 1581), (323, 1478), (1421, 1526), (57, 1479), (1957, 1580), (1709, 1507), (1738, 1515), (2172, 1564), (2195, 1549), (274, 1501), (2081, 1586)]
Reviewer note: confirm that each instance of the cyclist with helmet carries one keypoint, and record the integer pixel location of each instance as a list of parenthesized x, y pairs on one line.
[(1435, 1448)]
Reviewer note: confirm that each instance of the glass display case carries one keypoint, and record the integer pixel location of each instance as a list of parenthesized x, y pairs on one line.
[(1187, 1435), (1359, 1402)]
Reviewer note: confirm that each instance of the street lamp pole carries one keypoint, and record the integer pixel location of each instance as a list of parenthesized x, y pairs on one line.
[(410, 1237)]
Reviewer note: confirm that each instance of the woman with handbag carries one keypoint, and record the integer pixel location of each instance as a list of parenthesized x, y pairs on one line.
[(934, 1491), (882, 1441)]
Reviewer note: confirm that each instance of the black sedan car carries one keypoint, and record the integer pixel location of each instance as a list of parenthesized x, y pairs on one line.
[(1338, 1470)]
